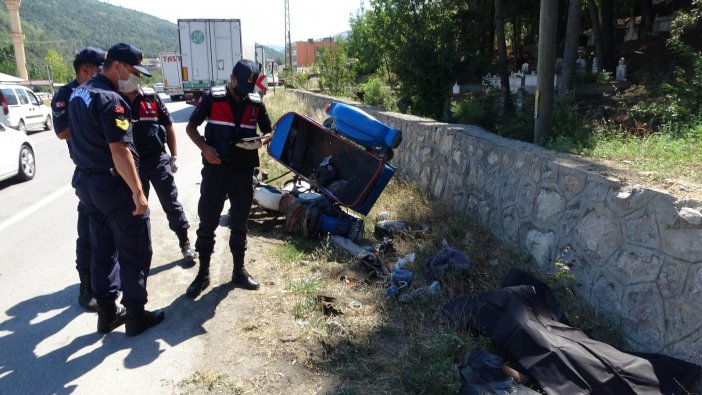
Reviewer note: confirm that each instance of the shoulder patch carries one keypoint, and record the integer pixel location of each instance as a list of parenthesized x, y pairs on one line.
[(218, 92), (60, 104), (122, 124), (254, 98), (119, 109)]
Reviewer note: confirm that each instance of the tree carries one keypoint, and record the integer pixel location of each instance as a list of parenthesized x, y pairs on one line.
[(60, 72), (7, 60), (502, 49), (336, 73), (547, 57), (571, 47)]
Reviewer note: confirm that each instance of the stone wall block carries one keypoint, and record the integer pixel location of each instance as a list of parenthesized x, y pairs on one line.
[(543, 246), (607, 295), (627, 200), (570, 217), (640, 228), (597, 188), (571, 182), (494, 181), (682, 318), (689, 349), (550, 204), (643, 317), (511, 188), (599, 231), (684, 243), (631, 267), (673, 277), (484, 212), (447, 136), (690, 216), (527, 197), (510, 223), (476, 176), (507, 158), (549, 172), (437, 189), (580, 267)]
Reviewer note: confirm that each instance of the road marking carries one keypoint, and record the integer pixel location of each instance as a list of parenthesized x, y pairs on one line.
[(34, 207)]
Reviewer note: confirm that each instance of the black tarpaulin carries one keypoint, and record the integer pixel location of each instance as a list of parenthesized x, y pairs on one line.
[(525, 319)]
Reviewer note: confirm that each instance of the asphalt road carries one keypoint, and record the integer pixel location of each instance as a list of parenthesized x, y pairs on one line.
[(48, 344)]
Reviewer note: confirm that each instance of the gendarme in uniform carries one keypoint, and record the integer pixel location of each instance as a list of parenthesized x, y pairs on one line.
[(107, 183)]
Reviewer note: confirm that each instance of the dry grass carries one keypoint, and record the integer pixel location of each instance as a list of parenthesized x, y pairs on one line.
[(375, 344)]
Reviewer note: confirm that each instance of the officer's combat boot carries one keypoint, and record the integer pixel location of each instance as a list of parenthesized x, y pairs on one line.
[(139, 320), (85, 295), (189, 253), (202, 280), (241, 277), (109, 316)]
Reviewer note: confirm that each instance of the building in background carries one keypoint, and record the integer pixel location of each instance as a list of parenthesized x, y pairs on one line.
[(308, 51)]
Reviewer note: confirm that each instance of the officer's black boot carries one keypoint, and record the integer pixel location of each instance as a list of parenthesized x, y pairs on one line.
[(241, 277), (139, 320), (109, 316), (202, 280), (85, 297), (189, 253)]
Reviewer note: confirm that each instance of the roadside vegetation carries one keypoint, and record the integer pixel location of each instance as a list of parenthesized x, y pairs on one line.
[(329, 313), (406, 57)]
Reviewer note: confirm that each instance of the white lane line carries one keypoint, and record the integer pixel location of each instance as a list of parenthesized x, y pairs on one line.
[(34, 207)]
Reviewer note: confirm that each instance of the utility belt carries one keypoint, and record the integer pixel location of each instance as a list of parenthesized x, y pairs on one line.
[(109, 172)]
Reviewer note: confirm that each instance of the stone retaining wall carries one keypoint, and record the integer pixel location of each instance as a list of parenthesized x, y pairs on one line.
[(636, 252)]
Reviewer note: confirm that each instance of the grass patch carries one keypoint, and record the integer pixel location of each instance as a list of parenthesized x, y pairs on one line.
[(208, 381)]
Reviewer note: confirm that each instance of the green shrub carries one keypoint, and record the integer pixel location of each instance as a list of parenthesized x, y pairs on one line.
[(376, 93)]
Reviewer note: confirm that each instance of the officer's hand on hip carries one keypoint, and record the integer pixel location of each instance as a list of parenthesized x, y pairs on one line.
[(140, 203), (211, 155), (174, 164)]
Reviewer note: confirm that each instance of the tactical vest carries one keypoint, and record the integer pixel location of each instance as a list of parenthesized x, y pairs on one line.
[(222, 132), (149, 134)]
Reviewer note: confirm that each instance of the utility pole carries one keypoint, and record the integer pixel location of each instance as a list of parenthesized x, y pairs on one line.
[(543, 106), (288, 44)]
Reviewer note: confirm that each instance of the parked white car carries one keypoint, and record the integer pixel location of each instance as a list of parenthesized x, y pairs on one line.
[(22, 110), (158, 87), (16, 155)]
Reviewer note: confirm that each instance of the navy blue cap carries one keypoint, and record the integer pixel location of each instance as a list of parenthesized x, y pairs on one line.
[(246, 73), (129, 54), (90, 55)]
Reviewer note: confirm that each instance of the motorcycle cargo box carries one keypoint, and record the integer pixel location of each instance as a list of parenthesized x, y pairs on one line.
[(341, 169)]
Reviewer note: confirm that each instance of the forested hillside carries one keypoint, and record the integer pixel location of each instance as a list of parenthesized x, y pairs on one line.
[(68, 25)]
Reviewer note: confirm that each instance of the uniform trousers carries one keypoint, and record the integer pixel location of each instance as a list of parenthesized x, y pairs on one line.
[(218, 182), (156, 170), (121, 242)]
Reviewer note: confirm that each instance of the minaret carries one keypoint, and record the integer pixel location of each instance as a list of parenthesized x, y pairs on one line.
[(13, 7)]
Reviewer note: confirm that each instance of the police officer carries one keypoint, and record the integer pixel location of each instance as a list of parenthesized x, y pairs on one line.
[(108, 184), (152, 128), (86, 64), (228, 167)]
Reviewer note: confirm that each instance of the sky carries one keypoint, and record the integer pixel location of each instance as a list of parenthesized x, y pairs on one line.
[(262, 21)]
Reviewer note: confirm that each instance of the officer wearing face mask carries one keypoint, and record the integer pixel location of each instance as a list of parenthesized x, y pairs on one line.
[(230, 154), (86, 64), (107, 182), (153, 131)]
